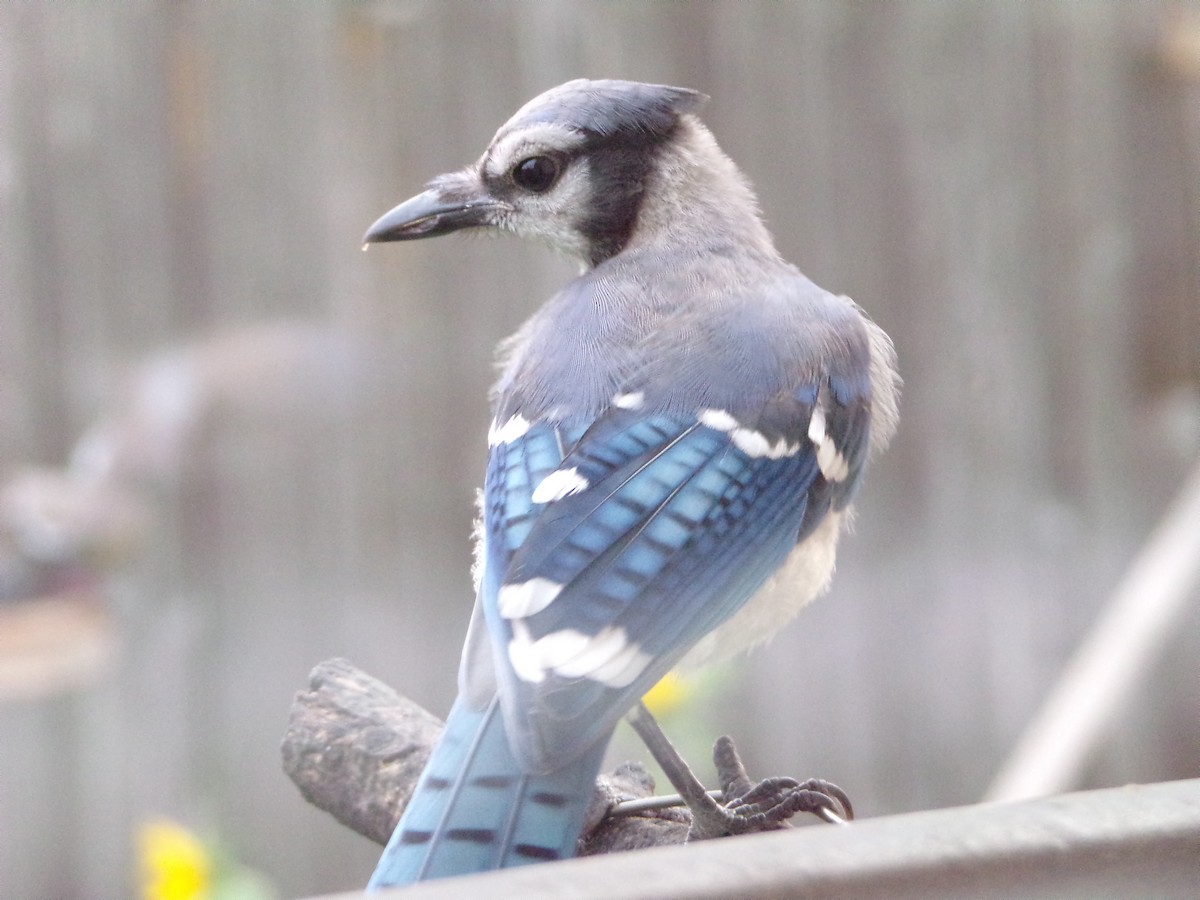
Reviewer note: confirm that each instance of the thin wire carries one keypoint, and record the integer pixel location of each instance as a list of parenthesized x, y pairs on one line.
[(665, 801)]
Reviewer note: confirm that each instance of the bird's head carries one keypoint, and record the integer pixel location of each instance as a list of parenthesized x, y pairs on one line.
[(571, 168)]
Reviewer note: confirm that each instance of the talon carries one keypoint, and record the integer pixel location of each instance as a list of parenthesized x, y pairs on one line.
[(840, 805), (748, 806)]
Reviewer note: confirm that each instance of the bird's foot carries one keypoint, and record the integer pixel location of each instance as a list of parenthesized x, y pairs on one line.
[(743, 806), (767, 805)]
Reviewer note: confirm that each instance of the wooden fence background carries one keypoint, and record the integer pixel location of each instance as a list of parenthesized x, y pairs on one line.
[(1012, 189)]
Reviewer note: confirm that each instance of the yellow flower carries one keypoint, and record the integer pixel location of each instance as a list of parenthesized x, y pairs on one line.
[(173, 862), (667, 696)]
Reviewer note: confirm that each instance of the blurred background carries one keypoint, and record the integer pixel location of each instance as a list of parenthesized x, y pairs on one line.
[(232, 445)]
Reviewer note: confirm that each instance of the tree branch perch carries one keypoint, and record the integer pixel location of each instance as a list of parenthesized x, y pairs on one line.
[(355, 748)]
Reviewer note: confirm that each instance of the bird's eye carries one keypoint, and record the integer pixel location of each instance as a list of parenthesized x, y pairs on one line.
[(536, 174)]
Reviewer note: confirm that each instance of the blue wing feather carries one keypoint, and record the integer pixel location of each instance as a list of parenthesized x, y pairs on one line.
[(674, 530)]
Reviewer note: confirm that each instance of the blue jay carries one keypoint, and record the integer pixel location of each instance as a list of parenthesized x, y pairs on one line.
[(676, 439)]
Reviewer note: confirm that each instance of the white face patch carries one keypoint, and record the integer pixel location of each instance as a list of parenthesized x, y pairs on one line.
[(829, 459), (534, 140), (555, 215), (751, 442), (608, 657), (516, 601), (632, 400), (514, 428), (558, 484)]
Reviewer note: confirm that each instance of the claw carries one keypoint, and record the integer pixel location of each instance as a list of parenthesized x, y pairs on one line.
[(765, 806)]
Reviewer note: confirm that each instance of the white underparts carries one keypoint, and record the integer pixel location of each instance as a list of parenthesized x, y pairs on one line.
[(804, 575)]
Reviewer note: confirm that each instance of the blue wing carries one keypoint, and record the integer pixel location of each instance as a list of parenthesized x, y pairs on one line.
[(613, 546)]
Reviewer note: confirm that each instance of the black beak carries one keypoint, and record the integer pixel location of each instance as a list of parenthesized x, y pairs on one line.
[(445, 207)]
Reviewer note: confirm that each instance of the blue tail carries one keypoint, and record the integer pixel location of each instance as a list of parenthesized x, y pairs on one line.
[(475, 809)]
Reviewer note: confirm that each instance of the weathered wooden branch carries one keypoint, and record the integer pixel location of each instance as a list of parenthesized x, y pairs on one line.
[(355, 748)]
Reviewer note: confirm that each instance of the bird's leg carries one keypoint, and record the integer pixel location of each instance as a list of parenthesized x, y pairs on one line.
[(748, 807), (708, 817)]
